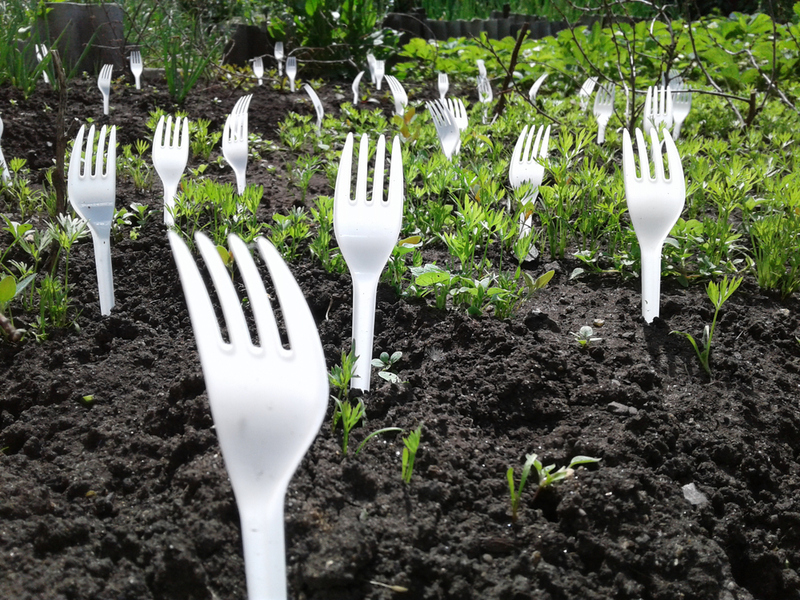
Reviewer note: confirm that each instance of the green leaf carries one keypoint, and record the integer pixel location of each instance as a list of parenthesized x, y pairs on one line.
[(8, 289)]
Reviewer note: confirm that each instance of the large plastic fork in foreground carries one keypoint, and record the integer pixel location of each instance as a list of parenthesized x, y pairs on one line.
[(367, 231), (655, 203), (268, 402)]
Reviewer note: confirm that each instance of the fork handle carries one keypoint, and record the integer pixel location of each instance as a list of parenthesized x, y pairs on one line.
[(676, 131), (169, 204), (138, 81), (265, 550), (365, 291), (105, 104), (105, 274), (651, 282), (601, 130)]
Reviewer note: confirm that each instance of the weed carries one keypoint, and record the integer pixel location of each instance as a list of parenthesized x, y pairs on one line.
[(718, 294), (585, 336), (340, 375), (385, 364), (411, 443)]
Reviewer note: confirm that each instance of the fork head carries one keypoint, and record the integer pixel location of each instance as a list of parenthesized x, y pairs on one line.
[(278, 51), (234, 140), (527, 161), (171, 146), (367, 230), (399, 95), (446, 127), (654, 202), (456, 106), (258, 69), (136, 59), (268, 402), (104, 79), (484, 90), (604, 100), (444, 85), (92, 192)]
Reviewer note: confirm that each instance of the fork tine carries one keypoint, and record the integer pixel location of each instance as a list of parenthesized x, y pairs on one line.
[(74, 170), (648, 104), (658, 160), (644, 163), (396, 175), (545, 143), (341, 192), (377, 173), (268, 336), (111, 154), (361, 178), (527, 152), (87, 157), (516, 157), (673, 160), (159, 136), (184, 140), (201, 311), (301, 328), (231, 306)]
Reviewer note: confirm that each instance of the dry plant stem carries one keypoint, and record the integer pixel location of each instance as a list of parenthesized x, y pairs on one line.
[(61, 139), (12, 332), (506, 88)]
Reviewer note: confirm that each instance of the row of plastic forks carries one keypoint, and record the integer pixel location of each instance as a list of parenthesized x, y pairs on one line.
[(234, 139)]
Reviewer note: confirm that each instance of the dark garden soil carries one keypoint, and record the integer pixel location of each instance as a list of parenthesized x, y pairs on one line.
[(127, 497)]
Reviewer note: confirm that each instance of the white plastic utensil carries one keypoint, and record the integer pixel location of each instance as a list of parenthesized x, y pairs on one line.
[(481, 67), (367, 232), (291, 70), (446, 127), (485, 94), (3, 166), (657, 108), (316, 102), (380, 71), (278, 54), (234, 140), (399, 95), (104, 84), (681, 105), (356, 83), (170, 155), (654, 203), (586, 92), (41, 52), (268, 402), (535, 87), (92, 193), (603, 109), (137, 67), (258, 69), (444, 85), (527, 166), (371, 65)]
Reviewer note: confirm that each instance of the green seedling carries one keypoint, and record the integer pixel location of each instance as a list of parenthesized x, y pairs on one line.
[(340, 375), (546, 477), (718, 294), (350, 416), (410, 453), (385, 364), (585, 336)]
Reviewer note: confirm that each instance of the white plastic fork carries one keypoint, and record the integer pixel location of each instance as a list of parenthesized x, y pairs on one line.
[(603, 109), (681, 106), (267, 402), (170, 155), (380, 71), (3, 166), (371, 65), (485, 94), (278, 54), (398, 94), (481, 68), (446, 127), (356, 83), (657, 108), (527, 166), (654, 203), (41, 52), (258, 69), (137, 67), (367, 232), (92, 194), (104, 84), (317, 104), (586, 92), (456, 106), (234, 140), (291, 70), (534, 91), (444, 85)]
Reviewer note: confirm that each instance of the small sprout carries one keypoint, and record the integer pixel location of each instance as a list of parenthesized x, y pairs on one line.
[(585, 336), (385, 363), (88, 399), (545, 475), (410, 453), (339, 376), (350, 416)]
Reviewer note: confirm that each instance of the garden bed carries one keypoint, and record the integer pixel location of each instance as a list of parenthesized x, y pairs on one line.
[(126, 496)]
